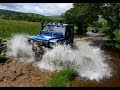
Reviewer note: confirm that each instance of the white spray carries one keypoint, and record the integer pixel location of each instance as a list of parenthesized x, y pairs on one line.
[(19, 48), (87, 60)]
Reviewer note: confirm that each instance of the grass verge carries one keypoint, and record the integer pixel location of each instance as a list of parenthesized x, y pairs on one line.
[(62, 78)]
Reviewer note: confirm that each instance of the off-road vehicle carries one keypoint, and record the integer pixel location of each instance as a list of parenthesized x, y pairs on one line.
[(52, 34)]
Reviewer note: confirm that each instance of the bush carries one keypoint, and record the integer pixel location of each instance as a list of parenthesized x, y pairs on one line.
[(3, 59), (112, 36), (62, 78), (103, 24), (117, 38)]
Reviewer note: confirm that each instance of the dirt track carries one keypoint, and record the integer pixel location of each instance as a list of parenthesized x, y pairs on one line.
[(20, 74), (16, 73), (113, 61)]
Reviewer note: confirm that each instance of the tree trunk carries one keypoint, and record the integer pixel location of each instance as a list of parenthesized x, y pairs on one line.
[(81, 29)]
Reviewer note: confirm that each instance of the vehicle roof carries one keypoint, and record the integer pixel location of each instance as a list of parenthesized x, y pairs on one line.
[(59, 24)]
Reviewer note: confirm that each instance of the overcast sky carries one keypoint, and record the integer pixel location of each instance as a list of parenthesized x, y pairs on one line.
[(47, 9)]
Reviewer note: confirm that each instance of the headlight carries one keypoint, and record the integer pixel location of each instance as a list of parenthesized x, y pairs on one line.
[(30, 41)]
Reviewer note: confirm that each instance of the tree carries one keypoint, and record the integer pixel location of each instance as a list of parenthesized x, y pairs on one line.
[(81, 15), (111, 12)]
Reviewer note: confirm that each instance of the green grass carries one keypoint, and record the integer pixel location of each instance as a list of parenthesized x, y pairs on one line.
[(9, 27), (62, 78)]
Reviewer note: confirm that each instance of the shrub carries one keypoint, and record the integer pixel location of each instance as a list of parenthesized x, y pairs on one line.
[(117, 38), (3, 59)]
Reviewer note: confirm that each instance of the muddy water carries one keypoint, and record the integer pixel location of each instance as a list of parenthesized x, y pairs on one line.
[(113, 59)]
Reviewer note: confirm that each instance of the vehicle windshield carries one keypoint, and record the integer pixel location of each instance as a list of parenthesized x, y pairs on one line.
[(55, 29)]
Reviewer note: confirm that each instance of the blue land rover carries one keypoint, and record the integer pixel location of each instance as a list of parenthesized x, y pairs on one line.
[(52, 34)]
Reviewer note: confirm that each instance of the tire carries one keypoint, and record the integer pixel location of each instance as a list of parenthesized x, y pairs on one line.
[(95, 31)]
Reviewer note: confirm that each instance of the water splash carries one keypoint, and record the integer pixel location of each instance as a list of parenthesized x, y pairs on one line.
[(87, 60), (19, 48)]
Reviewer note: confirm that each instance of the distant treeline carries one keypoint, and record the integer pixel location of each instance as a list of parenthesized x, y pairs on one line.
[(30, 17)]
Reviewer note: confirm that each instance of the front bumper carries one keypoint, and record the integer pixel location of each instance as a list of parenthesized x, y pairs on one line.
[(40, 46)]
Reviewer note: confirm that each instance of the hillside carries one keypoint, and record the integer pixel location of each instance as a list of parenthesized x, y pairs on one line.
[(8, 11), (13, 15)]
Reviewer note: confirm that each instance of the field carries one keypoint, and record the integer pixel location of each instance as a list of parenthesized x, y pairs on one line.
[(9, 27)]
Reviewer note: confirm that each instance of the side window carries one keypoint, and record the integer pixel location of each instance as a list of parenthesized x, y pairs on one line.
[(59, 29)]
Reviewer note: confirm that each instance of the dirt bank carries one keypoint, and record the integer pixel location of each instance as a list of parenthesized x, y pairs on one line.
[(16, 73)]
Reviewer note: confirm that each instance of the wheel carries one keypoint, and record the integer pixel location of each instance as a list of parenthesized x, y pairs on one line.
[(51, 45), (93, 31), (96, 31)]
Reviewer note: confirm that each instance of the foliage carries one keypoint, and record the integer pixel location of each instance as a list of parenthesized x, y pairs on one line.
[(89, 29), (84, 14), (117, 38), (62, 78), (81, 15), (3, 58), (11, 15), (111, 12), (102, 24)]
